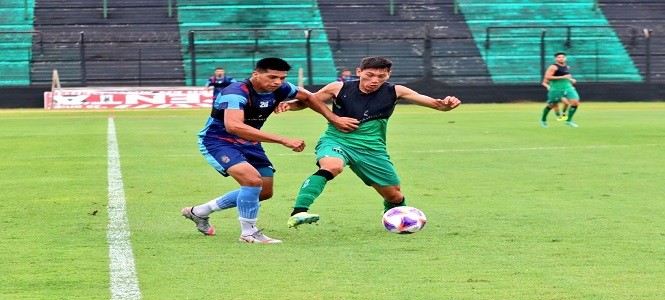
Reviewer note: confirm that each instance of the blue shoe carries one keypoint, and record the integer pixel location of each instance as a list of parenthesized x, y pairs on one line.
[(571, 124), (302, 218), (543, 124)]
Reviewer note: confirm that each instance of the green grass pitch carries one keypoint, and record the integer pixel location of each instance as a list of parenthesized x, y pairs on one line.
[(515, 211)]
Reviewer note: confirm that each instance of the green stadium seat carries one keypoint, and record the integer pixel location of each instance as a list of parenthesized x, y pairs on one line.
[(237, 50), (16, 48), (513, 53)]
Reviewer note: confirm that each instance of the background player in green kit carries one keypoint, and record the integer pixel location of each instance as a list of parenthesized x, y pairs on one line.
[(371, 100), (560, 114), (560, 86)]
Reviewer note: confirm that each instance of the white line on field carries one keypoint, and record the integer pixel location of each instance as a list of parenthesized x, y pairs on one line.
[(41, 157), (124, 282)]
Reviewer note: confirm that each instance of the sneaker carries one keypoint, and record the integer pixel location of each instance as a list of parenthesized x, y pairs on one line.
[(201, 223), (543, 124), (562, 118), (571, 124), (258, 237), (302, 218)]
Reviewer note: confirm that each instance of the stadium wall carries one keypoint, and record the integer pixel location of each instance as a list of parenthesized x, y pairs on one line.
[(33, 97)]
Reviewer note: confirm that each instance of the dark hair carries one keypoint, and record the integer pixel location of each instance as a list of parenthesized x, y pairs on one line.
[(376, 62), (219, 68), (559, 53), (272, 63)]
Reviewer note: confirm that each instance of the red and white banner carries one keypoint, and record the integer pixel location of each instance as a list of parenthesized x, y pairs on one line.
[(140, 97)]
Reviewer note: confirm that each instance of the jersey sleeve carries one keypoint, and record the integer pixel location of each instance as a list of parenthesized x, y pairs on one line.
[(235, 96), (230, 101)]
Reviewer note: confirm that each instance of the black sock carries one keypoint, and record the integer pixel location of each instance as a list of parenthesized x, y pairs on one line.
[(299, 210)]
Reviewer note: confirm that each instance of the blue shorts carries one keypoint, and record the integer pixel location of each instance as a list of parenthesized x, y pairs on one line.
[(223, 154)]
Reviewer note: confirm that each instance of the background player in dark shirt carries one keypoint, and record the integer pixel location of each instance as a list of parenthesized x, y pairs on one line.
[(218, 82)]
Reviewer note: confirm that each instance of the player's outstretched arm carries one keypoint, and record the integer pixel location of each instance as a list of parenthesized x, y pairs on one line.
[(317, 103), (234, 123), (445, 104)]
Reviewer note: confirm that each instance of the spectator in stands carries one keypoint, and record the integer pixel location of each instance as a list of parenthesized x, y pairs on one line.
[(345, 75), (371, 100), (218, 82), (231, 142), (560, 83)]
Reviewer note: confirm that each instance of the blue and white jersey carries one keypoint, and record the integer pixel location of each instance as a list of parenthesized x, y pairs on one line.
[(257, 107)]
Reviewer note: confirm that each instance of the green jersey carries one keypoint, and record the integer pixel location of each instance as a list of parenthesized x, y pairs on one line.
[(371, 109), (369, 135), (563, 83)]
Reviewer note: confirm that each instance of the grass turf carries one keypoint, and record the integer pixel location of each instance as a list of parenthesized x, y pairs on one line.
[(515, 211)]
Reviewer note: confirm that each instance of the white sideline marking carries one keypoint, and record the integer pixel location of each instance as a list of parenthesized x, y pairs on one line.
[(124, 283), (42, 157)]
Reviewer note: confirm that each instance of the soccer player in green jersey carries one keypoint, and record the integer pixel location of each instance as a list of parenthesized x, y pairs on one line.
[(371, 100), (561, 86), (560, 114)]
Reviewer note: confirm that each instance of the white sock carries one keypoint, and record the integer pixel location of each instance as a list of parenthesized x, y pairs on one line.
[(248, 226), (206, 209)]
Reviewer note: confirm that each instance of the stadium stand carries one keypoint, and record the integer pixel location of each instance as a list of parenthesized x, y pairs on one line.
[(235, 34), (641, 14), (137, 44), (573, 27), (15, 42), (369, 28)]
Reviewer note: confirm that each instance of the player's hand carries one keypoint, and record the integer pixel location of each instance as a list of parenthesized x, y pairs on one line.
[(294, 144), (282, 107), (448, 103), (345, 124), (573, 81)]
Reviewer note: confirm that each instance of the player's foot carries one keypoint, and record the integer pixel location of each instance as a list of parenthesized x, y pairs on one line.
[(258, 237), (562, 118), (302, 218), (201, 223), (571, 124), (543, 124)]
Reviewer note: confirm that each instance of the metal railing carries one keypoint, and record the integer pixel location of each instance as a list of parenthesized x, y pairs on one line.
[(452, 59), (256, 36), (569, 38)]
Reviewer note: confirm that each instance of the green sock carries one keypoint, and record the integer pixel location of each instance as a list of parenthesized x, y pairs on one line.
[(571, 112), (310, 190), (545, 112), (387, 205)]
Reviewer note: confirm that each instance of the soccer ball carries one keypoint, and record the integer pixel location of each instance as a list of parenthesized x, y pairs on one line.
[(404, 219)]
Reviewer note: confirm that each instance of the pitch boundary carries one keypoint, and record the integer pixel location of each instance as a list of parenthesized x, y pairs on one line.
[(123, 279)]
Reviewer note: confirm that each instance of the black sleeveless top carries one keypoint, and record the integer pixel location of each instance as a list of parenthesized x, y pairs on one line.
[(351, 102), (561, 70)]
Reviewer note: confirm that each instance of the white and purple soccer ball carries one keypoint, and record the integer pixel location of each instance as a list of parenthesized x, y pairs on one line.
[(404, 219)]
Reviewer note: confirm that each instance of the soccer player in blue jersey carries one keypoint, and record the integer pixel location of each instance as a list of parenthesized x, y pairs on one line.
[(371, 100), (218, 82), (231, 142)]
